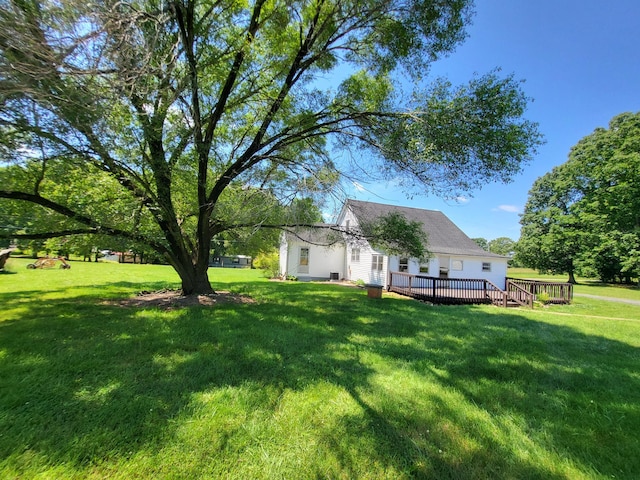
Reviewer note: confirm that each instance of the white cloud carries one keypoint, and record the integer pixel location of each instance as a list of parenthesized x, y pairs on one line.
[(462, 200), (508, 208)]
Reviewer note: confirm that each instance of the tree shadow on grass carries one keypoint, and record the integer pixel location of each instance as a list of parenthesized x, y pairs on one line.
[(574, 392), (84, 382)]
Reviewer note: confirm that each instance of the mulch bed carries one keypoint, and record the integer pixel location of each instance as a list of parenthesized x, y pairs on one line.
[(173, 299)]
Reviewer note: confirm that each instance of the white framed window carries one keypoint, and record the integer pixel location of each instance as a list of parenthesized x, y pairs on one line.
[(456, 265), (377, 262), (486, 266), (404, 265), (355, 254), (424, 268)]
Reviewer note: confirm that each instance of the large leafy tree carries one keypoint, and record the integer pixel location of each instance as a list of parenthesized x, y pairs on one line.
[(185, 114), (549, 237), (606, 165), (586, 212)]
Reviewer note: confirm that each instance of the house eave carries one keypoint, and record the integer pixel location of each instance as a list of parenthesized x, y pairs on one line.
[(459, 253)]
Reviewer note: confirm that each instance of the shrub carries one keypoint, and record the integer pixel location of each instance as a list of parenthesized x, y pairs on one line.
[(543, 297), (269, 263)]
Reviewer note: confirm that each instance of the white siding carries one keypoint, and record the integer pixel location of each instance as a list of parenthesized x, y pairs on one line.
[(322, 261), (497, 275), (362, 269), (434, 266), (284, 257), (472, 268)]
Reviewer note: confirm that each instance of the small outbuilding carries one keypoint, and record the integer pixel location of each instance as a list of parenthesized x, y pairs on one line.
[(230, 261)]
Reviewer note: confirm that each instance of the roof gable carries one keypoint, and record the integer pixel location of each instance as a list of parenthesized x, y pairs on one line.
[(444, 236)]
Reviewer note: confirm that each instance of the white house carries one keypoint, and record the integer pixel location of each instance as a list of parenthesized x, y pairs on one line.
[(323, 253)]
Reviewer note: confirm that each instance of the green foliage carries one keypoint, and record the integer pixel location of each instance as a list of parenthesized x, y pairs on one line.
[(169, 126), (584, 214), (269, 263), (549, 238), (502, 246), (477, 128), (543, 297), (482, 243), (395, 235)]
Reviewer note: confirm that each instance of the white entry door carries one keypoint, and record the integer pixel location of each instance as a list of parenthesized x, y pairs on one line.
[(303, 266)]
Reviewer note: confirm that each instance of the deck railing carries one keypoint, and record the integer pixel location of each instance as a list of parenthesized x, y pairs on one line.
[(554, 291), (461, 291), (519, 295), (445, 290)]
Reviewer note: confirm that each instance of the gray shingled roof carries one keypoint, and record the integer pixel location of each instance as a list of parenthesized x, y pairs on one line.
[(444, 236), (320, 234)]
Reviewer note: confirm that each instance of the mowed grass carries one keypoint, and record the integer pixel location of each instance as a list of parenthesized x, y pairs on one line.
[(587, 286), (310, 381)]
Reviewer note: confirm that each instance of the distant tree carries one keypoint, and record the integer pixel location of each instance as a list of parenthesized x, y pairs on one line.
[(157, 122), (502, 246), (482, 243), (585, 214)]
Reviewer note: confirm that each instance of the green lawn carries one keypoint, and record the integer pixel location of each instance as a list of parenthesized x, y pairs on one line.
[(585, 285), (310, 381)]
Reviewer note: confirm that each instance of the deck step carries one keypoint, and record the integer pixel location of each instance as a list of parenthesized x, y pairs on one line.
[(510, 303)]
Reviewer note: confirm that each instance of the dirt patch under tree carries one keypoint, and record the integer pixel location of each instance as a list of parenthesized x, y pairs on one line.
[(172, 299)]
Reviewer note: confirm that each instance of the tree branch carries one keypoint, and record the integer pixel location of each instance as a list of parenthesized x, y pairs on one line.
[(94, 226)]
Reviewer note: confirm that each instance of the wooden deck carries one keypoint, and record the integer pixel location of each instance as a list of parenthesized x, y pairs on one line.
[(445, 290), (449, 291)]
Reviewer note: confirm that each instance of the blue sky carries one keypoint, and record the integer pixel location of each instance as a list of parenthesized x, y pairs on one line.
[(581, 64)]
